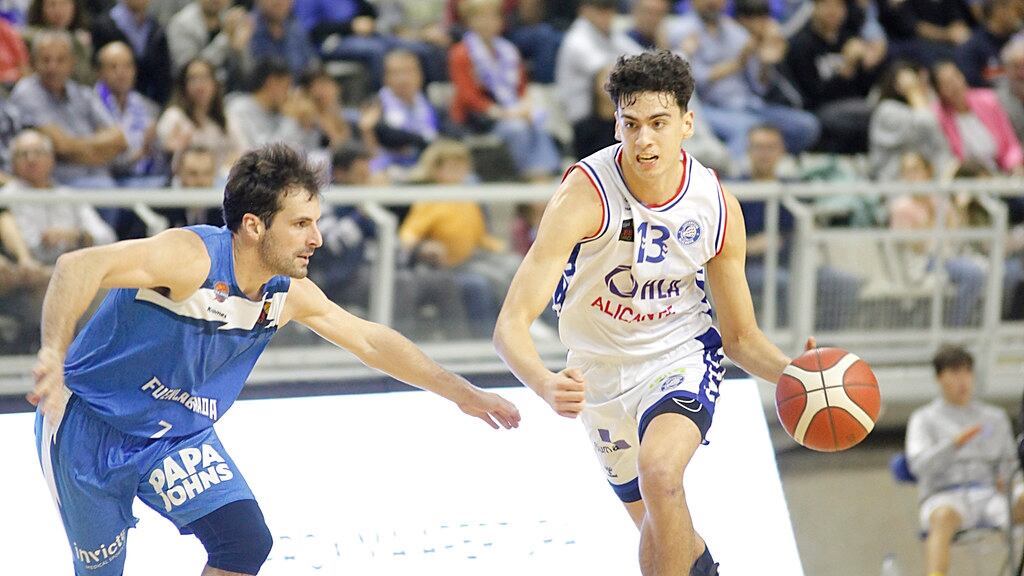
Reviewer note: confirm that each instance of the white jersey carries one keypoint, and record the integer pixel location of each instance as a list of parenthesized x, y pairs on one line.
[(635, 290)]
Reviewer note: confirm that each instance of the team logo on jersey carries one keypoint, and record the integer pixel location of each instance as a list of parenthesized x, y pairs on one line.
[(626, 233), (672, 381), (221, 291), (688, 233)]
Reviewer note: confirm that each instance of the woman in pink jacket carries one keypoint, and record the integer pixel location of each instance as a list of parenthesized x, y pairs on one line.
[(975, 123)]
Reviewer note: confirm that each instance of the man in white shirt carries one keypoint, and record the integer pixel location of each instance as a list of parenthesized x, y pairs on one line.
[(961, 451), (50, 230)]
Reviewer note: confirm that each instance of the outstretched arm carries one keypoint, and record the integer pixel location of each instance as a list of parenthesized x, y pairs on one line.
[(176, 260), (573, 214), (384, 349), (742, 340)]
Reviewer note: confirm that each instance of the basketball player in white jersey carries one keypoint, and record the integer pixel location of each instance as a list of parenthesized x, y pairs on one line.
[(626, 244)]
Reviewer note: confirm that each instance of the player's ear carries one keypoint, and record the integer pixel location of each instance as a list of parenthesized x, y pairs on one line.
[(252, 225), (618, 126), (687, 124)]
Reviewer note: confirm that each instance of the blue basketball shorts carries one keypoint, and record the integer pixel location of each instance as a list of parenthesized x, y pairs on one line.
[(623, 398), (95, 471)]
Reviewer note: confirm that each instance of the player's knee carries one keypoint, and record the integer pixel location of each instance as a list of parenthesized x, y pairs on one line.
[(236, 537), (944, 518), (659, 478)]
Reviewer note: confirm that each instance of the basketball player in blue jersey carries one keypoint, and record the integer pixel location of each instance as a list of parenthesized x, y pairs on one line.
[(626, 244), (127, 407)]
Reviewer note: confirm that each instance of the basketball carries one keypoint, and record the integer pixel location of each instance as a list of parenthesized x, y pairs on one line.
[(828, 399)]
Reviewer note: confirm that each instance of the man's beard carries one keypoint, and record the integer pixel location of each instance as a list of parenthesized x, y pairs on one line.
[(279, 264)]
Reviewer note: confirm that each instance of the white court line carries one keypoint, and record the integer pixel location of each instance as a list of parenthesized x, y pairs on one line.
[(403, 483)]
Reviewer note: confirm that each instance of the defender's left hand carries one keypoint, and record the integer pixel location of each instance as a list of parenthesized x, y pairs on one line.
[(492, 409)]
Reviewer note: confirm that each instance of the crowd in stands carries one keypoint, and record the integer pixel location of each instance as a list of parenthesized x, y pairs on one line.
[(153, 94)]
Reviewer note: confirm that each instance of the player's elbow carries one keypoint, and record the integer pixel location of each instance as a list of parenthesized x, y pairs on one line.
[(736, 344), (505, 327)]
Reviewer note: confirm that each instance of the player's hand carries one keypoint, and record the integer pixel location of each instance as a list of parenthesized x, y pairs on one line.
[(491, 408), (967, 435), (48, 374), (811, 344), (564, 392)]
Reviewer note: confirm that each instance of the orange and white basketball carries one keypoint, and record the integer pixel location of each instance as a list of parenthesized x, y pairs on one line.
[(827, 399)]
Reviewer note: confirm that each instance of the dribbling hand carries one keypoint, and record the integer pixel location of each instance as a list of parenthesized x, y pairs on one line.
[(492, 409), (564, 392), (48, 374)]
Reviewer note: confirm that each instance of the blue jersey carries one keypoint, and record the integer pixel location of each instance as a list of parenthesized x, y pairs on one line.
[(153, 367)]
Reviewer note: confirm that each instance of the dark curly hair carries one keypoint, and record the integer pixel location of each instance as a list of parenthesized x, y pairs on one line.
[(261, 177), (659, 71)]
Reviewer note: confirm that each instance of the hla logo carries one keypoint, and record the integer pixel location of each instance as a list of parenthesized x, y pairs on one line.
[(621, 283), (199, 469), (103, 555), (607, 446)]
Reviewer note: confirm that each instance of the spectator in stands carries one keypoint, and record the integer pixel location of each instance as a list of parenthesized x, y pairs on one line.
[(837, 290), (14, 61), (129, 22), (345, 272), (453, 236), (259, 118), (278, 34), (85, 137), (490, 90), (589, 45), (50, 230), (195, 166), (834, 69), (23, 284), (1010, 88), (347, 30), (142, 164), (69, 16), (729, 69), (925, 31), (19, 271), (903, 121), (324, 95), (10, 125), (964, 268), (415, 21), (597, 130), (537, 39), (209, 30), (649, 24), (978, 57), (196, 115), (13, 11), (409, 121), (164, 10), (962, 452), (974, 122)]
